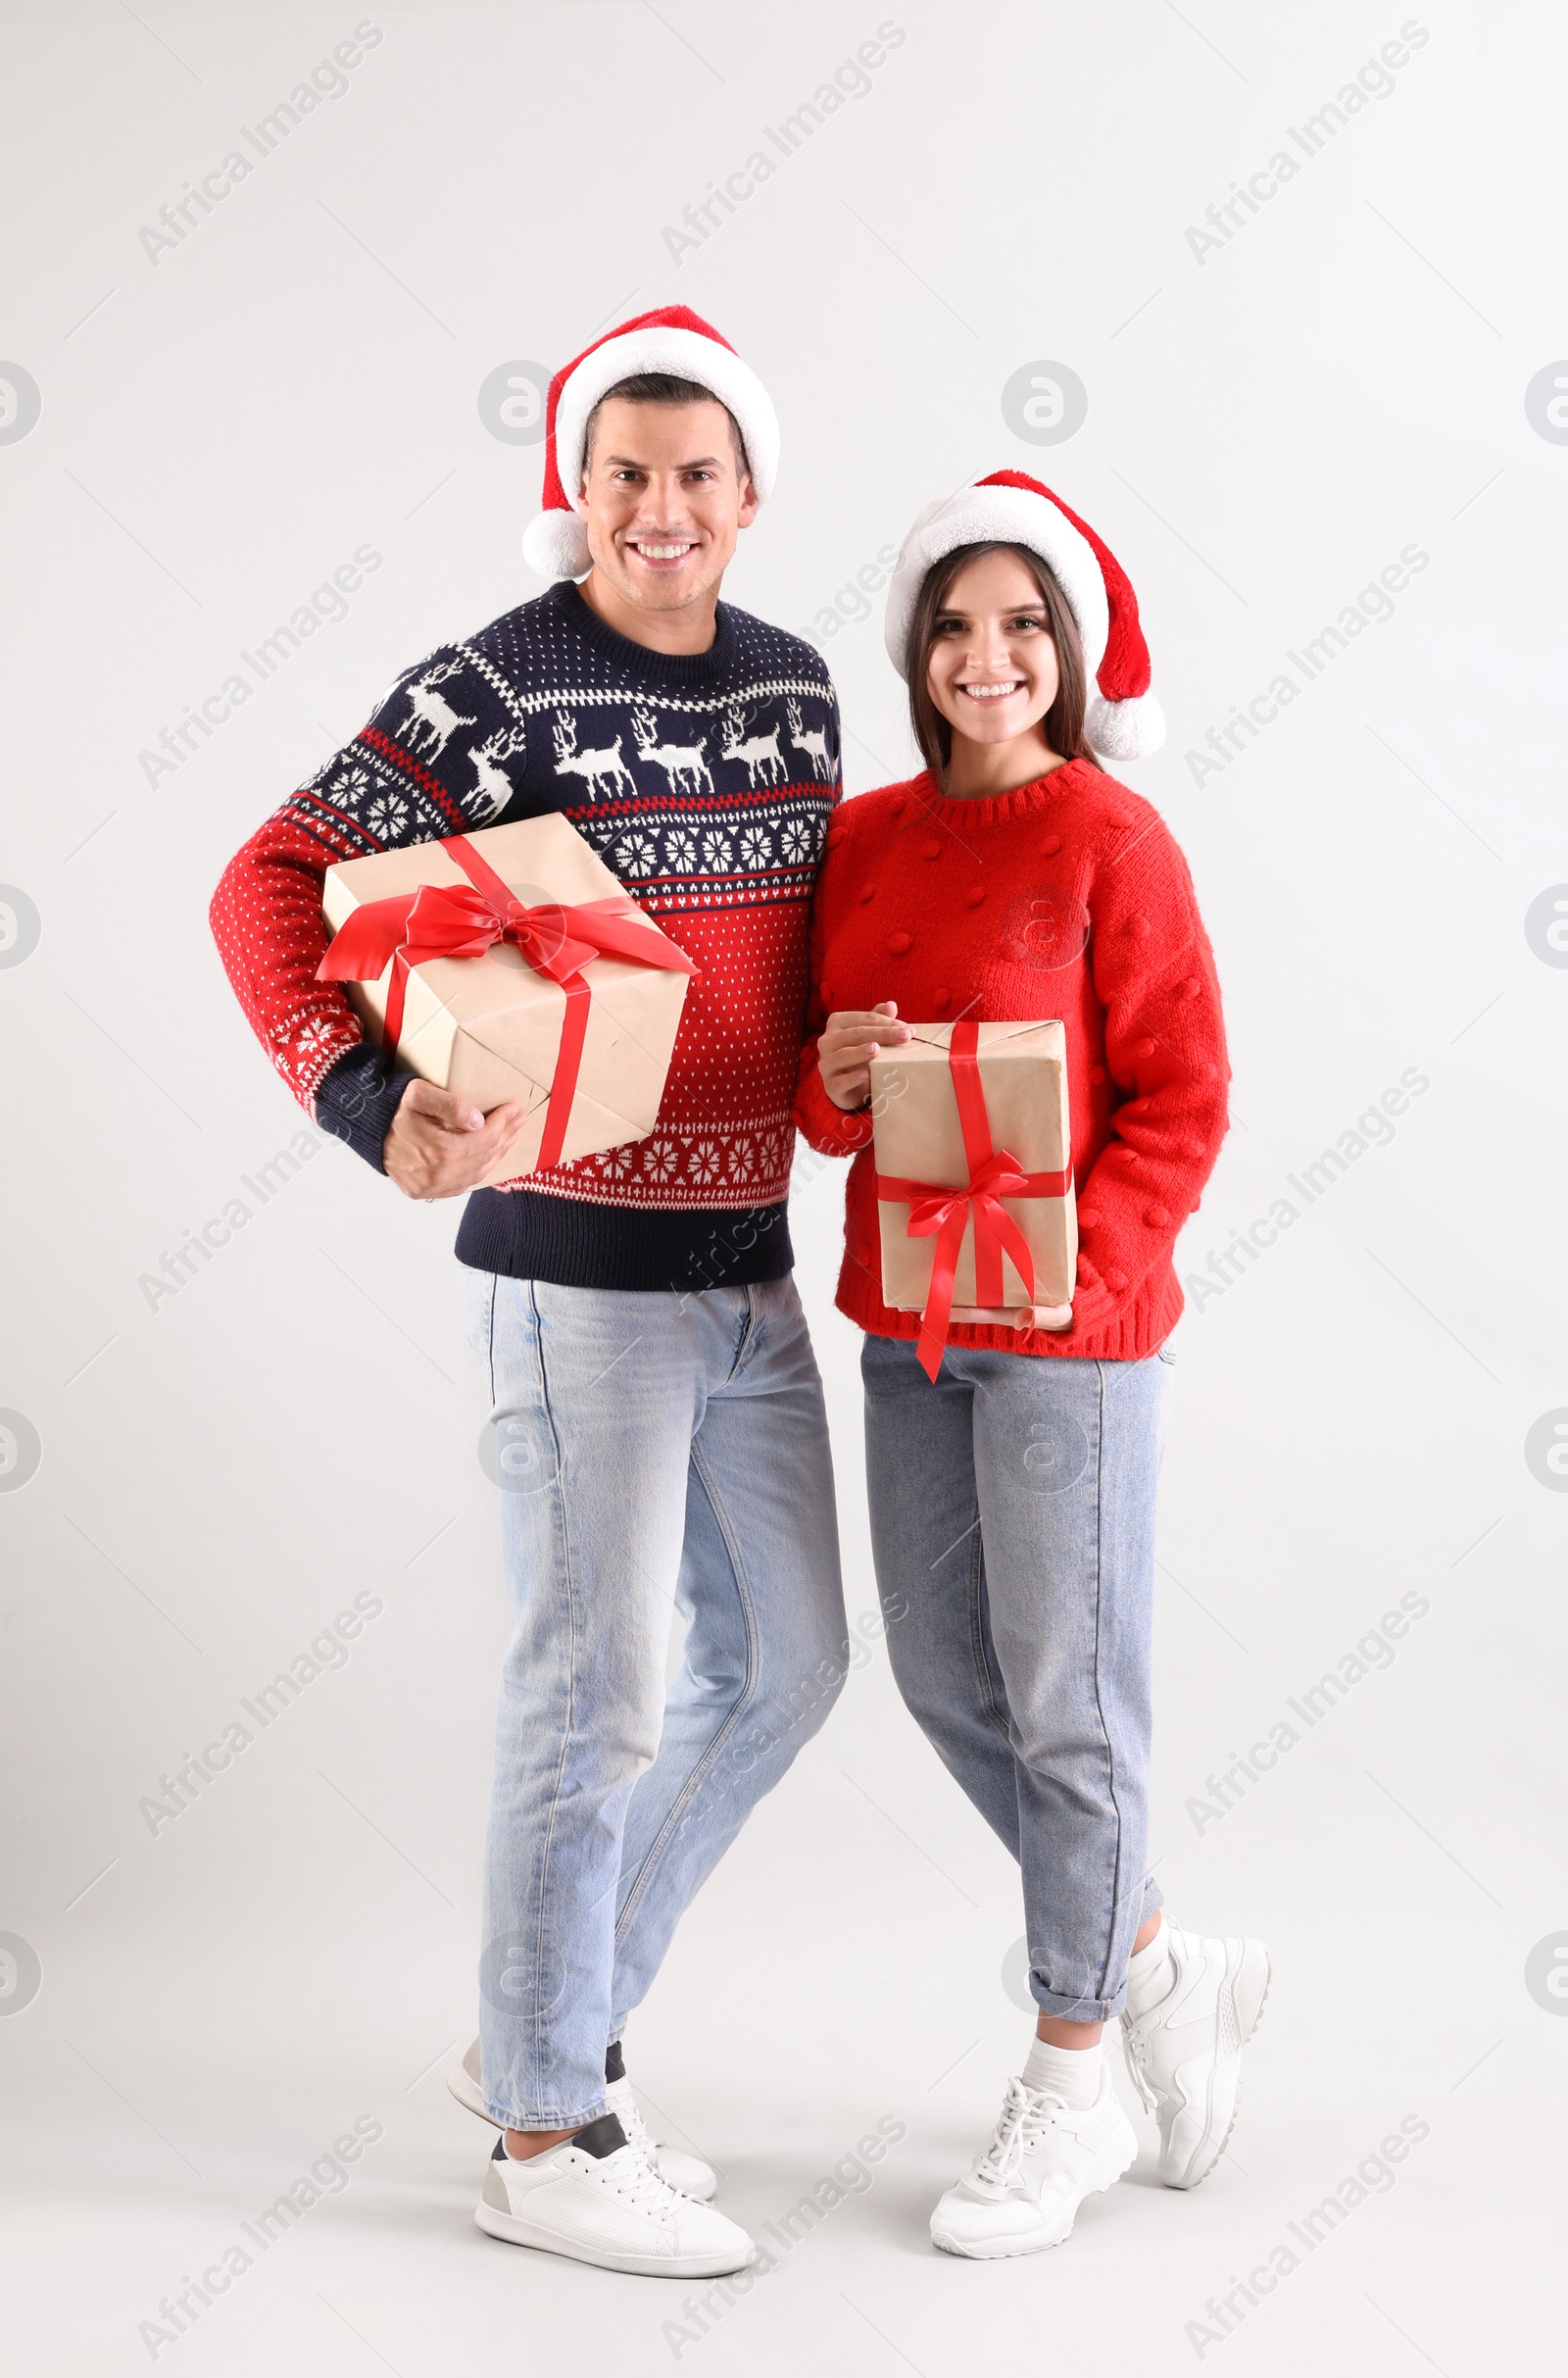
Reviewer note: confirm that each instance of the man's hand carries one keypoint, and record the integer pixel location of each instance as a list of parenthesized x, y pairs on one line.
[(440, 1145), (847, 1044)]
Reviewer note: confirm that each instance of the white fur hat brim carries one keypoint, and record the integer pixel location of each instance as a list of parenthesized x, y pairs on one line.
[(1006, 516), (688, 356)]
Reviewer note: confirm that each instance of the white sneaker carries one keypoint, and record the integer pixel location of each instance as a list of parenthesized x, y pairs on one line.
[(1043, 2160), (1185, 2053), (598, 2199), (689, 2173)]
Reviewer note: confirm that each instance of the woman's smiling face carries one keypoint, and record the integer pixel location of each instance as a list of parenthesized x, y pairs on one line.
[(991, 668)]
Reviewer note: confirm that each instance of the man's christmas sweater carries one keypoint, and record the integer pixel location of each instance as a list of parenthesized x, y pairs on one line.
[(705, 782)]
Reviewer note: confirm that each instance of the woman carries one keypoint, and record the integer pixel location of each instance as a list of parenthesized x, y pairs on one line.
[(1012, 1499)]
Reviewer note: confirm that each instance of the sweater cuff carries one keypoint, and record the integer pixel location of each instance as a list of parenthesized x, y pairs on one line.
[(824, 1126), (1102, 1297), (356, 1098)]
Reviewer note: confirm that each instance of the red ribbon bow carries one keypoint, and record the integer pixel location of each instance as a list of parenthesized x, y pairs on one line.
[(944, 1213), (465, 920)]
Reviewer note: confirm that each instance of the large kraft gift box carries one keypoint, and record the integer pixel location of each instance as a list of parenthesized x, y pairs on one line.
[(523, 972), (972, 1135)]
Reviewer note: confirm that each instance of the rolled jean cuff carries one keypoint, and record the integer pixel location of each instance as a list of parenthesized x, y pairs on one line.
[(543, 2118), (1075, 2010), (1095, 2010)]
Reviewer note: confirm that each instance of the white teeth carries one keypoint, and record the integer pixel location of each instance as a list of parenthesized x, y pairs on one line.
[(663, 553), (991, 693)]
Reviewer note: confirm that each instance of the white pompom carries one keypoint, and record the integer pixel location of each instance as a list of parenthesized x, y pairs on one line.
[(555, 545), (1125, 730)]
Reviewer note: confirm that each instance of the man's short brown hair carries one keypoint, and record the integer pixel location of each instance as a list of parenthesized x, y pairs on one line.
[(663, 388)]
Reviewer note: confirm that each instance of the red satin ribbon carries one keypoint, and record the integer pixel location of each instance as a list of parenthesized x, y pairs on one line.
[(944, 1213), (465, 920)]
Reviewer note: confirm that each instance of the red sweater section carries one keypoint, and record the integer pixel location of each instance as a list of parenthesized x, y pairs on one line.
[(1069, 900)]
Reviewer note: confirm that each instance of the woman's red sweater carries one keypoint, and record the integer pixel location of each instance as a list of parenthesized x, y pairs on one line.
[(1066, 899)]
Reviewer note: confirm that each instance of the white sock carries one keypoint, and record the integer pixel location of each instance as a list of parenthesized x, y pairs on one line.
[(1150, 1975), (1069, 2074)]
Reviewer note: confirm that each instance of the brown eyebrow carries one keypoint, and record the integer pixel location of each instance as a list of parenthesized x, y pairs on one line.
[(1009, 611), (702, 462)]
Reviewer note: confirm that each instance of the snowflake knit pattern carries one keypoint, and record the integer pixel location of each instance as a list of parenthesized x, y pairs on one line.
[(1067, 899), (704, 781)]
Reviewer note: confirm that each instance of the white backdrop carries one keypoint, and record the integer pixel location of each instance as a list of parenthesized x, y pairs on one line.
[(199, 432)]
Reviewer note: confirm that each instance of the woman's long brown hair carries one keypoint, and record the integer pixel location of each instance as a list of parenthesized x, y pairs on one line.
[(1064, 722)]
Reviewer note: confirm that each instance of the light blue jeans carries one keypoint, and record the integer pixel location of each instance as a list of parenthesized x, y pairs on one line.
[(1012, 1524), (656, 1453)]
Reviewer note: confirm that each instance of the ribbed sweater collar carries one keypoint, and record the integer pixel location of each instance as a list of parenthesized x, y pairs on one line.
[(673, 668), (1005, 808)]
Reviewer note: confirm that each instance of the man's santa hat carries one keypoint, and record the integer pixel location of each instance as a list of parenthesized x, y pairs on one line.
[(669, 339), (1124, 719)]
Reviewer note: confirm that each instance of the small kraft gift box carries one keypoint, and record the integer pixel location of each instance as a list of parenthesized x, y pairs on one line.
[(974, 1173), (511, 964)]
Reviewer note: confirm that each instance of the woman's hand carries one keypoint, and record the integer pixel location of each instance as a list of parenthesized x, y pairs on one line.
[(847, 1046)]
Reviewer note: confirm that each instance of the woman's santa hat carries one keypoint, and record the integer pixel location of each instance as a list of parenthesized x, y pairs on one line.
[(671, 339), (1124, 720)]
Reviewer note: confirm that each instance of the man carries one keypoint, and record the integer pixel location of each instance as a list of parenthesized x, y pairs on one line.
[(651, 1375)]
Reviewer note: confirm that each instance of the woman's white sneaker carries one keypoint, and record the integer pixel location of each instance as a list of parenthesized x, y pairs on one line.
[(689, 2173), (1185, 2052), (597, 2199), (1043, 2158)]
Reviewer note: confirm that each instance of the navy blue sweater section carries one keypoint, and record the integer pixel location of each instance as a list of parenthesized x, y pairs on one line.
[(496, 721)]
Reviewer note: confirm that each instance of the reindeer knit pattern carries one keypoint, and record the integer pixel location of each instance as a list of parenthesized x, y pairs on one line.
[(704, 781)]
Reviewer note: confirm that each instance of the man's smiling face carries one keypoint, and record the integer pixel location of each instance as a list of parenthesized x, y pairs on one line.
[(663, 497)]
